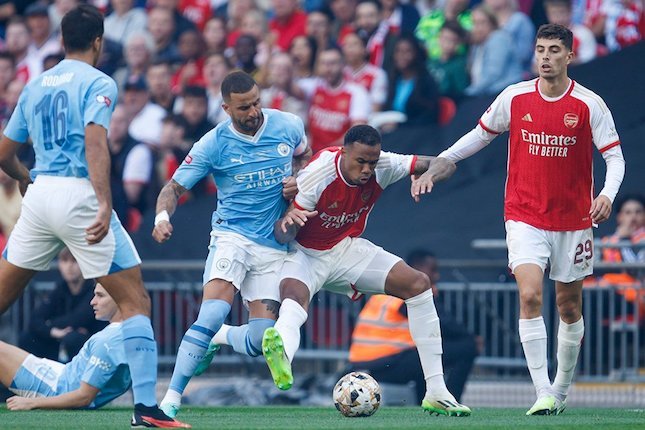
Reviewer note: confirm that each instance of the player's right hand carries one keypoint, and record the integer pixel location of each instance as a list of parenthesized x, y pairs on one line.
[(421, 185), (99, 229), (296, 217), (162, 231)]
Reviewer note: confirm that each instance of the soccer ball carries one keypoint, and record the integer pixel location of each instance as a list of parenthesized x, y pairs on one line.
[(357, 394)]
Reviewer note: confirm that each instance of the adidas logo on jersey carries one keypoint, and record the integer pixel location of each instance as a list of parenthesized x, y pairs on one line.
[(527, 118), (333, 205)]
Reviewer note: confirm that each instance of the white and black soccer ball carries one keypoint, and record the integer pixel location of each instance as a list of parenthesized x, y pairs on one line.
[(357, 394)]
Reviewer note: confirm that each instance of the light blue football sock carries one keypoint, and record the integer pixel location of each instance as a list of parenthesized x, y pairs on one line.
[(195, 342), (141, 353), (247, 338)]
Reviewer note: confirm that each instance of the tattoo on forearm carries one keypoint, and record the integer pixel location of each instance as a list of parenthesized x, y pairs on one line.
[(169, 196), (272, 306)]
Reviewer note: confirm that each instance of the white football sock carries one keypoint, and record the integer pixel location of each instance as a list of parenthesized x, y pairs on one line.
[(426, 333), (569, 339), (292, 317), (533, 338), (172, 397), (220, 336)]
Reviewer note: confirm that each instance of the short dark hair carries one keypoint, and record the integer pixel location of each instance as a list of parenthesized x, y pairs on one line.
[(175, 119), (454, 26), (364, 134), (80, 27), (556, 31), (4, 55), (566, 3), (195, 91), (238, 82), (417, 257)]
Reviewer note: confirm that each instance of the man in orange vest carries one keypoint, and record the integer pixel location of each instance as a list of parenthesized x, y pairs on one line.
[(383, 346)]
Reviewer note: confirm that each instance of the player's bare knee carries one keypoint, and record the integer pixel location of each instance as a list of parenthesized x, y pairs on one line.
[(419, 284), (569, 311), (530, 300), (295, 291)]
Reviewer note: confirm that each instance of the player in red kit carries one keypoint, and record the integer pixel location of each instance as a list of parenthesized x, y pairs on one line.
[(337, 191), (549, 208)]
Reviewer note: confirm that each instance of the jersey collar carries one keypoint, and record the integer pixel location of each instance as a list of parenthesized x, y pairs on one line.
[(554, 99), (256, 137)]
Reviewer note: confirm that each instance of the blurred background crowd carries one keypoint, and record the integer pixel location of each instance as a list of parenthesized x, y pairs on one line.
[(334, 63)]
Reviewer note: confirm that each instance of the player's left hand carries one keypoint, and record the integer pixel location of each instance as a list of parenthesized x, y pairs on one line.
[(600, 209), (99, 229), (17, 403), (289, 187), (420, 185)]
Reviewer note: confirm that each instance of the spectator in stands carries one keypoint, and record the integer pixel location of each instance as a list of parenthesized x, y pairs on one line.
[(137, 51), (430, 25), (10, 202), (360, 71), (18, 40), (584, 42), (146, 116), (335, 104), (161, 26), (319, 27), (216, 67), (255, 24), (343, 23), (411, 88), (7, 74), (371, 26), (623, 23), (236, 11), (194, 110), (399, 361), (492, 61), (51, 60), (64, 321), (278, 94), (450, 69), (131, 170), (43, 41), (303, 50), (518, 26), (196, 11), (124, 21), (630, 220), (180, 22), (244, 55), (58, 9), (191, 53), (173, 147), (287, 23), (158, 77), (400, 17), (215, 35)]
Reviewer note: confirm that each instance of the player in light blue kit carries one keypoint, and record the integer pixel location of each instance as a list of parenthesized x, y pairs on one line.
[(250, 155), (66, 112), (94, 377)]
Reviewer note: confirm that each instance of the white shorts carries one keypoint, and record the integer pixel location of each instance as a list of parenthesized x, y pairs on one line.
[(570, 253), (354, 266), (37, 377), (55, 213), (253, 269)]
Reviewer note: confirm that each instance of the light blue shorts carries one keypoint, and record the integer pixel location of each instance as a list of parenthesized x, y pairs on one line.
[(37, 377)]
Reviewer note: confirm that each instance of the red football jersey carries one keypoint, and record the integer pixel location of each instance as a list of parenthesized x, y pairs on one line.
[(342, 208), (372, 78), (333, 110), (550, 178)]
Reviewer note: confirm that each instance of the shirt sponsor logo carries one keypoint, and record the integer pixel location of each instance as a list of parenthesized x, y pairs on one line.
[(547, 145), (101, 364), (326, 119), (263, 177), (571, 120), (339, 221)]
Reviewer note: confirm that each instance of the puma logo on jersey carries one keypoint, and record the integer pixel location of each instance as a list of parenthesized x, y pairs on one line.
[(237, 160), (527, 118)]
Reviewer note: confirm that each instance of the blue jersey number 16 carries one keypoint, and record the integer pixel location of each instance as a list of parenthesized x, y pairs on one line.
[(52, 110)]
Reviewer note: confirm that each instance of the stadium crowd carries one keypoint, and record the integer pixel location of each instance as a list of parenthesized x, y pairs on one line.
[(334, 63)]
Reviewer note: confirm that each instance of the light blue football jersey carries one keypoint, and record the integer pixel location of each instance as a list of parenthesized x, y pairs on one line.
[(54, 109), (248, 172), (100, 363)]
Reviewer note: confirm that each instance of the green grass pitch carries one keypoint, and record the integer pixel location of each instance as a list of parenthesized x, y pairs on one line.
[(278, 417)]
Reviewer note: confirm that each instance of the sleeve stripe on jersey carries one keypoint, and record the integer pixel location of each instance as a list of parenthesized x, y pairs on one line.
[(297, 206), (487, 129), (317, 176), (608, 147), (413, 164)]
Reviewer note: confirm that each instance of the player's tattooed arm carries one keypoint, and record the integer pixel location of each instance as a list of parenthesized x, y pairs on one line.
[(169, 196), (301, 160), (11, 165)]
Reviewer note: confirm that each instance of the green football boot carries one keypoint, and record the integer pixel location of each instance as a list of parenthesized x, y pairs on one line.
[(208, 357), (450, 408), (544, 405), (279, 364)]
